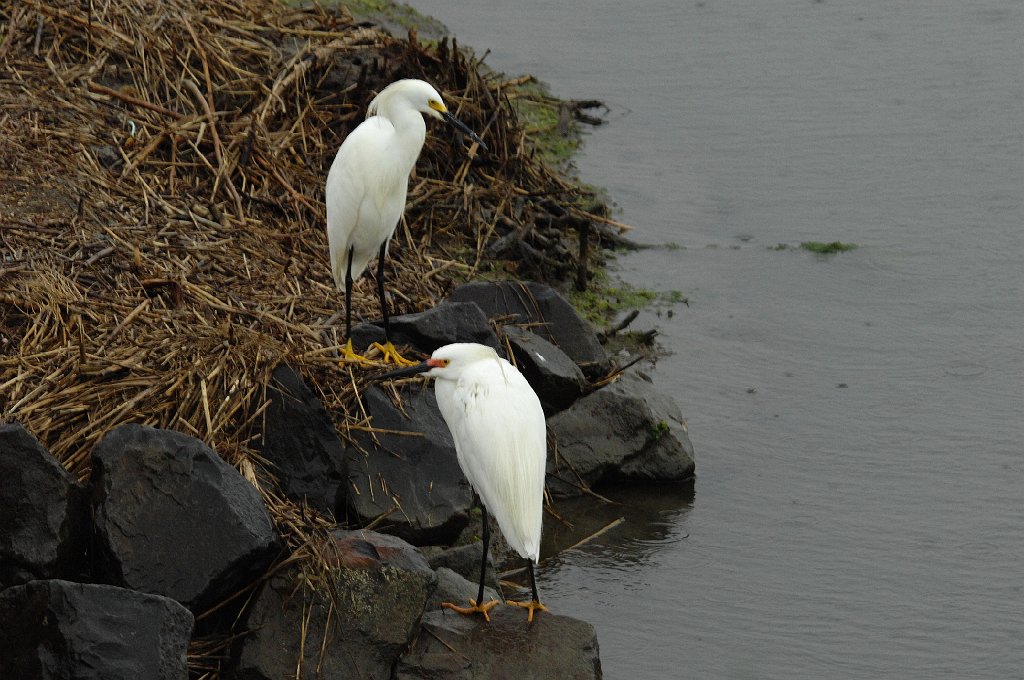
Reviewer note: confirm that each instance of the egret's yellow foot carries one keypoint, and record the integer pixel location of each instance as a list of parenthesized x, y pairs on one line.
[(350, 355), (389, 353), (532, 605), (476, 608)]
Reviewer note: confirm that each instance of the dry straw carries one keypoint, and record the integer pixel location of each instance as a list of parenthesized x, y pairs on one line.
[(162, 242)]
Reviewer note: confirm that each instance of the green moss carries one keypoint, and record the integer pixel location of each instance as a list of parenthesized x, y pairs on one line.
[(675, 297), (604, 299), (827, 248), (365, 7), (658, 430), (396, 17), (598, 304), (539, 113)]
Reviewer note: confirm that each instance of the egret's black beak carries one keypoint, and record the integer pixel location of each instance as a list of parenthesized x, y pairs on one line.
[(404, 372), (465, 130)]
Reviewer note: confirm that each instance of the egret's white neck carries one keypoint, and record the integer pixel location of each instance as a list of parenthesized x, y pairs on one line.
[(410, 132)]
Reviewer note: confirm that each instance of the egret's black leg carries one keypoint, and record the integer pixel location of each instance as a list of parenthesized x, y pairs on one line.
[(534, 605), (348, 294), (347, 352), (387, 349), (533, 580), (478, 605), (380, 291), (486, 536)]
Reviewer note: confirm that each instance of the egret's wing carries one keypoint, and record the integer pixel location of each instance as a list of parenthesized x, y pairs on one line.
[(365, 197), (498, 426)]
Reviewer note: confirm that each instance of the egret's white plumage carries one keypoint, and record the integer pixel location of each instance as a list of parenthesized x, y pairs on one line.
[(369, 179), (498, 426), (500, 438)]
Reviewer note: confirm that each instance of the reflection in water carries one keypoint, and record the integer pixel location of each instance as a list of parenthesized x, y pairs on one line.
[(640, 519)]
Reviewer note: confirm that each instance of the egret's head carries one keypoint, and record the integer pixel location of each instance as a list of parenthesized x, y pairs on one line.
[(447, 362), (422, 96), (407, 94), (419, 96), (435, 105), (453, 359)]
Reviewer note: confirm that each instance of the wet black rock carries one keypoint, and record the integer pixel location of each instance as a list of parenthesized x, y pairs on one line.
[(301, 442), (546, 313), (444, 324), (406, 471), (458, 647), (552, 374), (173, 518), (381, 586), (627, 429), (365, 334), (464, 559), (58, 629), (43, 513)]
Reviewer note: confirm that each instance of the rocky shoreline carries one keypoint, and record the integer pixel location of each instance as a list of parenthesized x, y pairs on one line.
[(175, 529), (194, 485)]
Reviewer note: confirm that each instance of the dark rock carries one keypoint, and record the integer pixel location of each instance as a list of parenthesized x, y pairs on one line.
[(454, 587), (548, 314), (365, 334), (457, 647), (464, 560), (381, 585), (58, 629), (627, 429), (302, 443), (413, 479), (442, 325), (174, 519), (552, 374), (43, 513)]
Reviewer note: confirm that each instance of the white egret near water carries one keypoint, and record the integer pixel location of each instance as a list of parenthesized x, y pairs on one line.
[(367, 186), (500, 438)]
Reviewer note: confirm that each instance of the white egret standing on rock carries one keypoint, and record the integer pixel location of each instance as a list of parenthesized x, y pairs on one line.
[(498, 426), (367, 186)]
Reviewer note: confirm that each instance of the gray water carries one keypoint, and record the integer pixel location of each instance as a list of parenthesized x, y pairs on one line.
[(858, 419)]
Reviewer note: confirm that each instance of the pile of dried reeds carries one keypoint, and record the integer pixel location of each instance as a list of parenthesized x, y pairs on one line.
[(161, 214)]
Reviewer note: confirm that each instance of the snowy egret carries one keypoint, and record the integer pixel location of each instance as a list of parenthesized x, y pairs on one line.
[(498, 426), (367, 185)]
